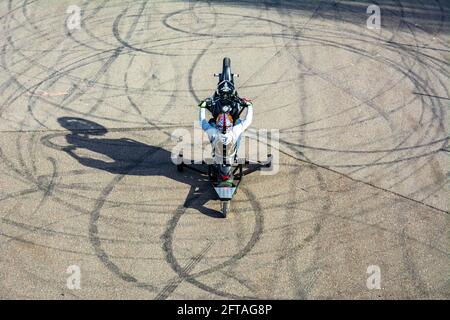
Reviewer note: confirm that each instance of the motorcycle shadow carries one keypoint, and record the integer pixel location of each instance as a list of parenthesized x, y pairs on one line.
[(130, 157)]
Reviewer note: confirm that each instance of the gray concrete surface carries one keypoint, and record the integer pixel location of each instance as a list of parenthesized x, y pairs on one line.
[(363, 180)]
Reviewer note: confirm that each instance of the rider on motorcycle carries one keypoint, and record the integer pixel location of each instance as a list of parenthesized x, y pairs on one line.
[(225, 129)]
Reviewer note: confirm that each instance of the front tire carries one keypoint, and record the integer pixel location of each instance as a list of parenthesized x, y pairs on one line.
[(226, 70), (226, 62)]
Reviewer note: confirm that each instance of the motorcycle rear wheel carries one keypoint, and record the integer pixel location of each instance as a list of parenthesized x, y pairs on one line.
[(225, 206)]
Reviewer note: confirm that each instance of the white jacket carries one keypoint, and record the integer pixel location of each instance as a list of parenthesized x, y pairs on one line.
[(229, 139)]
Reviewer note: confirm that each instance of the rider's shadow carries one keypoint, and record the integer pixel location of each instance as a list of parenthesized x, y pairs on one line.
[(129, 157)]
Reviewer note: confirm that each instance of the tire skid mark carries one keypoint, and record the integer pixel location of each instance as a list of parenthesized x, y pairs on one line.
[(426, 70), (93, 228), (174, 283), (168, 248)]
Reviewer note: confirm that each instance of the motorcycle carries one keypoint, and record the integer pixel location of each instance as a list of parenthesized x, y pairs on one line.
[(224, 161)]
